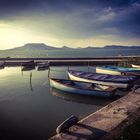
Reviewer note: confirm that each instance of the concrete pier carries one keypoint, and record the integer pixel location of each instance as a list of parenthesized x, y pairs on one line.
[(65, 61), (58, 61), (106, 123)]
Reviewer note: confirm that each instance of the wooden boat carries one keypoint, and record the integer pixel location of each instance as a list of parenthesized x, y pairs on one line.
[(119, 81), (135, 66), (83, 88), (29, 63), (27, 68), (42, 66), (2, 64), (66, 124), (115, 70)]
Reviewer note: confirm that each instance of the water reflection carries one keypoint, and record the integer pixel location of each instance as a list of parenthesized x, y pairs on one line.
[(31, 87), (29, 110), (92, 100)]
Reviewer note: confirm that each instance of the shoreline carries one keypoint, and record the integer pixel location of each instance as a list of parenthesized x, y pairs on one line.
[(108, 122)]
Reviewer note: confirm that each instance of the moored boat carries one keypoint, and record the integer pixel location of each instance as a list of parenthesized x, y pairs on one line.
[(120, 81), (27, 68), (116, 70), (42, 66), (135, 66), (2, 64), (84, 88), (29, 63)]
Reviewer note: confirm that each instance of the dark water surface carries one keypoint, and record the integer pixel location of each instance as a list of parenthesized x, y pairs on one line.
[(29, 110)]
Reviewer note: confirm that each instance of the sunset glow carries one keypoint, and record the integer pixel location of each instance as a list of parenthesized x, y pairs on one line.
[(74, 23)]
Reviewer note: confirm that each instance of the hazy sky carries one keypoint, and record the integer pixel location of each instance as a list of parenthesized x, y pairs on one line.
[(75, 23)]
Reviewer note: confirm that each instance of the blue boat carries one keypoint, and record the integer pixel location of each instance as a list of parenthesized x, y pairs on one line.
[(116, 70), (84, 88), (120, 81)]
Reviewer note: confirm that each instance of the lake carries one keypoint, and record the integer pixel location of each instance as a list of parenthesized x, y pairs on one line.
[(95, 52), (30, 110), (92, 52)]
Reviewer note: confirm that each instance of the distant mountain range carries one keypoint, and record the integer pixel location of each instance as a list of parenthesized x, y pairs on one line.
[(42, 50), (34, 46), (42, 46), (120, 47)]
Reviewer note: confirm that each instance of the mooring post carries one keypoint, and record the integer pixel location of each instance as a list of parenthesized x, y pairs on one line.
[(31, 81), (88, 66), (49, 73)]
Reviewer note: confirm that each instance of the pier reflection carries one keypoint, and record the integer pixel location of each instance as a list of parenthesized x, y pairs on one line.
[(93, 100)]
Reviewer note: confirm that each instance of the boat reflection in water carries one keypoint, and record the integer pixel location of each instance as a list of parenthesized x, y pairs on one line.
[(93, 100)]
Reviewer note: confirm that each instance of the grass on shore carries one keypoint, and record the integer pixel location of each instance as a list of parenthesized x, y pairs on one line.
[(132, 132)]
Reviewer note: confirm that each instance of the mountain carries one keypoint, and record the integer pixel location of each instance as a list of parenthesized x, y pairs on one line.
[(34, 46), (43, 50), (90, 47), (121, 47), (42, 46), (31, 50), (66, 48)]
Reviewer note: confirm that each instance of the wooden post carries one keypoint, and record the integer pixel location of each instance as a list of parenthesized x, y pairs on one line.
[(88, 66), (49, 73), (31, 82)]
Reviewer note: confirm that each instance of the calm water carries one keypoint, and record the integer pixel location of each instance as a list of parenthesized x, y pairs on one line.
[(71, 53), (29, 110), (92, 52)]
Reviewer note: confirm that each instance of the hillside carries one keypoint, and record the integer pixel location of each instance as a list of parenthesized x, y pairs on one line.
[(43, 50), (31, 50), (34, 46), (121, 47)]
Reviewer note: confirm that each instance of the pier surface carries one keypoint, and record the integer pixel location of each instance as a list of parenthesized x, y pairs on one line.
[(106, 123), (114, 60)]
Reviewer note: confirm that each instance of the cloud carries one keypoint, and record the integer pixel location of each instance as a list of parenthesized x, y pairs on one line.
[(74, 19)]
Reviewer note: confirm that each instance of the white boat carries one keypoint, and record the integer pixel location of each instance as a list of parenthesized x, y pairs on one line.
[(84, 88), (43, 66), (119, 81), (135, 66)]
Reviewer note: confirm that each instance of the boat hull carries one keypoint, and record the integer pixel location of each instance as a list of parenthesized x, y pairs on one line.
[(43, 66), (104, 71), (28, 64), (135, 66), (74, 90), (116, 84)]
